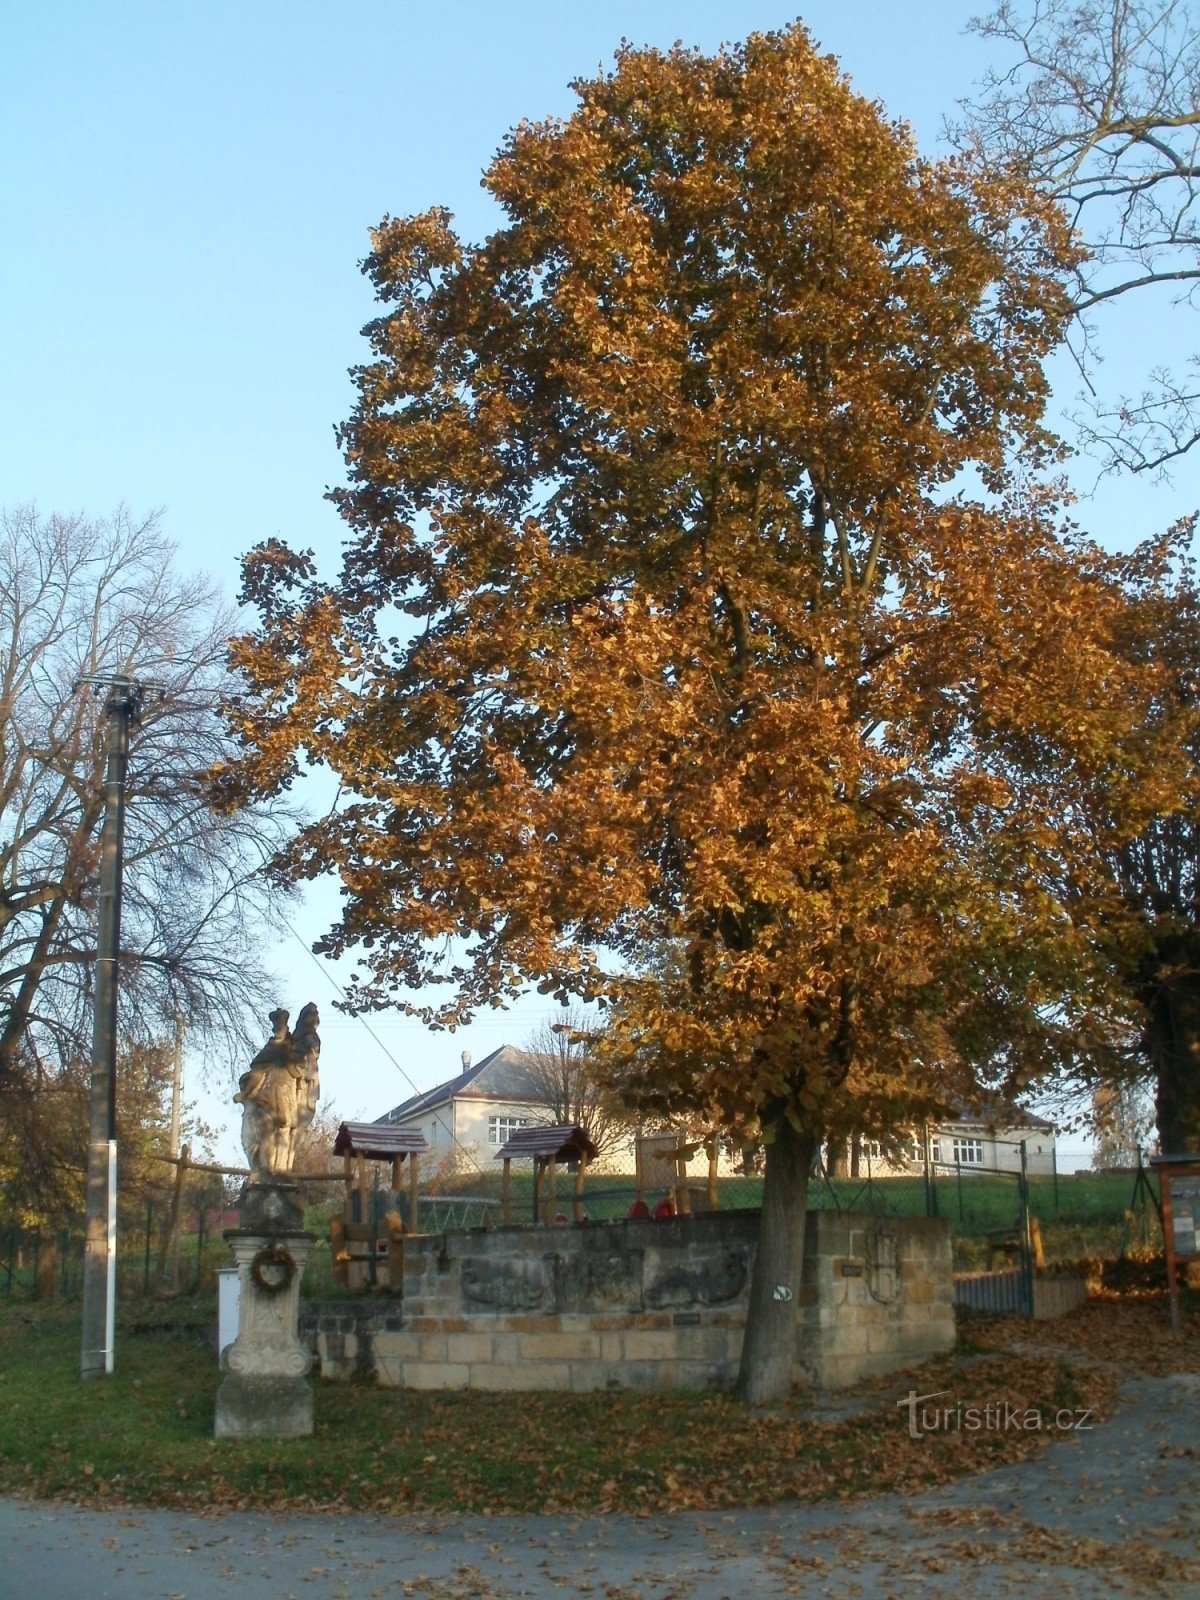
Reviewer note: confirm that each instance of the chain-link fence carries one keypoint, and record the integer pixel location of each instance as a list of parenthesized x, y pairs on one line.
[(169, 1241)]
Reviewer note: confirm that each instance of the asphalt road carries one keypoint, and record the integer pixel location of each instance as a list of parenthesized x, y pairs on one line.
[(1111, 1512)]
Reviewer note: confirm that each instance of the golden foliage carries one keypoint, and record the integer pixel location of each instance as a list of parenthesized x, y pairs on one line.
[(662, 641)]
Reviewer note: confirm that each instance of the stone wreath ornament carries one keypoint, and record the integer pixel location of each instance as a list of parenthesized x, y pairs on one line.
[(273, 1269)]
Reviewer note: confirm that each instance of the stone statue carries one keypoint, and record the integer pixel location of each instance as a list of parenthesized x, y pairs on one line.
[(278, 1094)]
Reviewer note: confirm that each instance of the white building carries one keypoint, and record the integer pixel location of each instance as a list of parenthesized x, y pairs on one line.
[(469, 1117), (970, 1141)]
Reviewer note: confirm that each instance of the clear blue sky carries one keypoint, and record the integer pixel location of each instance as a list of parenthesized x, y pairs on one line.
[(186, 197)]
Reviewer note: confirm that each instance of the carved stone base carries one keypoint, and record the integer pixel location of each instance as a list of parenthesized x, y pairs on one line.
[(266, 1393), (268, 1205), (264, 1408)]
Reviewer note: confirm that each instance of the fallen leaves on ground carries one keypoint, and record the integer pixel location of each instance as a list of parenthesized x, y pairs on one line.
[(393, 1451)]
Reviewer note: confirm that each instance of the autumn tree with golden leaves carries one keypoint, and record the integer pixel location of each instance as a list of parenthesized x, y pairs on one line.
[(664, 627)]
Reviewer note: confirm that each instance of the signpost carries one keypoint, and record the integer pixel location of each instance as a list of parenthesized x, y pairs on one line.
[(1180, 1180)]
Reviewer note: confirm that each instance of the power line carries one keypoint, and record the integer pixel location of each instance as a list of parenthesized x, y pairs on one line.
[(323, 969)]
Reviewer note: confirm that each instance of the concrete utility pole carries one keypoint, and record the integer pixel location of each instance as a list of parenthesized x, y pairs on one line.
[(123, 710)]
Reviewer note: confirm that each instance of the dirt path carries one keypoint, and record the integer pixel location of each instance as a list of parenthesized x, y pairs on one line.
[(1110, 1512)]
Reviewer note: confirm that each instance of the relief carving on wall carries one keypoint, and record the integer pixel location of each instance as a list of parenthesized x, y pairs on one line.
[(704, 1283), (502, 1286)]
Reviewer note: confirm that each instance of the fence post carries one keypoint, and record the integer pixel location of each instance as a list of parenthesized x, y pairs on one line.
[(373, 1264), (170, 1244), (1026, 1237), (1054, 1170), (200, 1240), (958, 1174), (146, 1259)]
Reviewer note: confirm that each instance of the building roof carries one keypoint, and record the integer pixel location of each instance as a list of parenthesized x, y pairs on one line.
[(504, 1075), (1000, 1116)]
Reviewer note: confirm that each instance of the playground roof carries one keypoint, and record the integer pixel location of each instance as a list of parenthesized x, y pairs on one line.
[(377, 1141), (563, 1143)]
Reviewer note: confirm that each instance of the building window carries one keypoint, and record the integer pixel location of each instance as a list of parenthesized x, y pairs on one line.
[(501, 1129), (968, 1152)]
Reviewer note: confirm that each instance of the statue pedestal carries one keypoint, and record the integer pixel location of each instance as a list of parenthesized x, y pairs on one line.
[(266, 1393)]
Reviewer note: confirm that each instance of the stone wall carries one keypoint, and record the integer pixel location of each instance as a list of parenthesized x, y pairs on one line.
[(641, 1305)]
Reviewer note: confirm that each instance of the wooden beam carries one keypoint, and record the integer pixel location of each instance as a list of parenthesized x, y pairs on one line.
[(414, 1190), (580, 1171), (714, 1193), (506, 1192)]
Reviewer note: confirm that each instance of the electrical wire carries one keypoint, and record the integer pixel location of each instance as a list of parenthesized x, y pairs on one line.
[(336, 986)]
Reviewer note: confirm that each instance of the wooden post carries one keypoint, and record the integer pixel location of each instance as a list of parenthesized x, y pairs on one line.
[(506, 1192), (552, 1192), (171, 1237), (539, 1168), (683, 1200), (339, 1250), (348, 1170), (414, 1191), (397, 1169), (714, 1194), (580, 1170)]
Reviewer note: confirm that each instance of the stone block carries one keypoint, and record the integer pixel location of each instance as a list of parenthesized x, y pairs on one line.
[(469, 1347), (650, 1346), (590, 1377), (561, 1346), (640, 1375), (701, 1344), (611, 1347), (389, 1371), (847, 1340), (528, 1376), (527, 1324), (701, 1378), (436, 1375), (432, 1347), (404, 1346)]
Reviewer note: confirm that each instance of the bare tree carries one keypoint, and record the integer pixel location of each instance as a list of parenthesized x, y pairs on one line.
[(562, 1074), (81, 597), (1100, 104)]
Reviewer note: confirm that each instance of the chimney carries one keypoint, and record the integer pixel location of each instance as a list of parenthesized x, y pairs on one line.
[(466, 1061)]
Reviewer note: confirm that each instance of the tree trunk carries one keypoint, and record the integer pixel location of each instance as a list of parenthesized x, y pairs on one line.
[(1173, 1043), (12, 1034), (769, 1345)]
